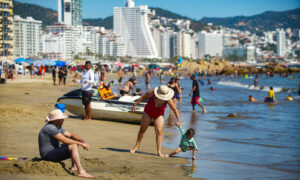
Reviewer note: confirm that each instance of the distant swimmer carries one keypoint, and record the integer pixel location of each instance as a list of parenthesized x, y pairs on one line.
[(255, 82), (208, 82), (251, 99), (271, 96), (289, 97), (212, 89)]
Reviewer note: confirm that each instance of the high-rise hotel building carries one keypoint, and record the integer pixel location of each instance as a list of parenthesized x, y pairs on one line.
[(281, 43), (27, 37), (132, 24), (6, 28), (69, 12)]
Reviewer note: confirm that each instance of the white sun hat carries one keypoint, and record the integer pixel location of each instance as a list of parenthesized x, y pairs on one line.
[(164, 93), (55, 115)]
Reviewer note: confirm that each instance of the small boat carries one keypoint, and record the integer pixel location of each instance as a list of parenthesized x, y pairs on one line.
[(115, 109)]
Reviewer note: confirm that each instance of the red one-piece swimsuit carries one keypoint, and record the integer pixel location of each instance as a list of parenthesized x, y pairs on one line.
[(152, 111)]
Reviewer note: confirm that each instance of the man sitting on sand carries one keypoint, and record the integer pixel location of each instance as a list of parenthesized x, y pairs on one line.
[(50, 147)]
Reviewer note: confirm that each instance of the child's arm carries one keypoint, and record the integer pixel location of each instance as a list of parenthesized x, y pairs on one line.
[(195, 145), (181, 130), (194, 154)]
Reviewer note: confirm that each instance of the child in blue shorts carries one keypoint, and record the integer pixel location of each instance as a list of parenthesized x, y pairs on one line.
[(187, 142)]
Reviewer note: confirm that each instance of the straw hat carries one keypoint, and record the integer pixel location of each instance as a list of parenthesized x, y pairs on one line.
[(55, 115), (164, 93)]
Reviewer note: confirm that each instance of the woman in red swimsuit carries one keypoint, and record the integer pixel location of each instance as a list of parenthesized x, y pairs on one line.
[(154, 111)]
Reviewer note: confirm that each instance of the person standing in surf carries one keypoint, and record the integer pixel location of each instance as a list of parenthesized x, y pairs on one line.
[(271, 96), (154, 112), (196, 94)]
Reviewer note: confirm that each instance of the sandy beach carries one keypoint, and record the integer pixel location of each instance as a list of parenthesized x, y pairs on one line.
[(24, 106)]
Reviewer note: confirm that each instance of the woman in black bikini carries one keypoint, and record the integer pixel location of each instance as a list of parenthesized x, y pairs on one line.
[(128, 86)]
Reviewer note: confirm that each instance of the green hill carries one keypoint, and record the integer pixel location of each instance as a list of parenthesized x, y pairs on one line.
[(269, 20), (266, 21)]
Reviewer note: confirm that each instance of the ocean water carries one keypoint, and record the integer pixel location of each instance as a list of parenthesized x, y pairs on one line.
[(262, 142)]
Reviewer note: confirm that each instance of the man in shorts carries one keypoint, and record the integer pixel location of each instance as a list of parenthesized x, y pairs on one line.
[(57, 144), (87, 82), (196, 94)]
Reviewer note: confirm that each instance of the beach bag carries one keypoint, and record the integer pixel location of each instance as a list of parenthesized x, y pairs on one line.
[(105, 92)]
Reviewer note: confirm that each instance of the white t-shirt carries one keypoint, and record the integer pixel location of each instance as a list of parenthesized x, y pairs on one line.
[(89, 76)]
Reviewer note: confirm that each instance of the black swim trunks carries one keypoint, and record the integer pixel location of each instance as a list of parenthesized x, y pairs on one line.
[(122, 92), (58, 154), (87, 97)]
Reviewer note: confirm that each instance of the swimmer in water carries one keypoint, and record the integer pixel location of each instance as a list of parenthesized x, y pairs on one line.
[(251, 99), (255, 82), (212, 89), (289, 97)]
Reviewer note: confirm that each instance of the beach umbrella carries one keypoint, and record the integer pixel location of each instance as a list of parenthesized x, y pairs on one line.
[(38, 63), (120, 64), (18, 60), (135, 65), (24, 63), (29, 60), (8, 61), (153, 66), (179, 61), (48, 62), (60, 63)]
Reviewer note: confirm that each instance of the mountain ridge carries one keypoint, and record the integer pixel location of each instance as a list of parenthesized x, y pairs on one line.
[(269, 20)]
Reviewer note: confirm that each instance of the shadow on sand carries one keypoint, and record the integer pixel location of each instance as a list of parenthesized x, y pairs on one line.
[(127, 151)]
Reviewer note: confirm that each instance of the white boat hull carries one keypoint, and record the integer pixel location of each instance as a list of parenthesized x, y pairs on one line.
[(105, 110)]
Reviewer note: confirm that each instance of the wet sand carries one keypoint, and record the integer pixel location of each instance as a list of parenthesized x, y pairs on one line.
[(24, 105)]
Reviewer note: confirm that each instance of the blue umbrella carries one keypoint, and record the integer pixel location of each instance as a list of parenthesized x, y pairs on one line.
[(38, 63), (179, 61), (29, 60), (60, 63), (18, 60), (48, 62)]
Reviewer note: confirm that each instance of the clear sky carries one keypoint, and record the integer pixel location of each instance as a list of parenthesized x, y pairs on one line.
[(192, 8)]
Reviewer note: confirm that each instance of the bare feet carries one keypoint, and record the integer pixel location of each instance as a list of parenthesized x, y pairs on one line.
[(204, 111), (133, 150), (84, 174), (74, 168), (167, 155), (160, 155)]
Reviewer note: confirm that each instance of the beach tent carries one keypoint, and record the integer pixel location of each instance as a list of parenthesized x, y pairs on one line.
[(60, 63), (48, 62), (19, 60)]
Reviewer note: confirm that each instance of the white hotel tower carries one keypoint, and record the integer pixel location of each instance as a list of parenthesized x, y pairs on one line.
[(132, 24), (69, 12)]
